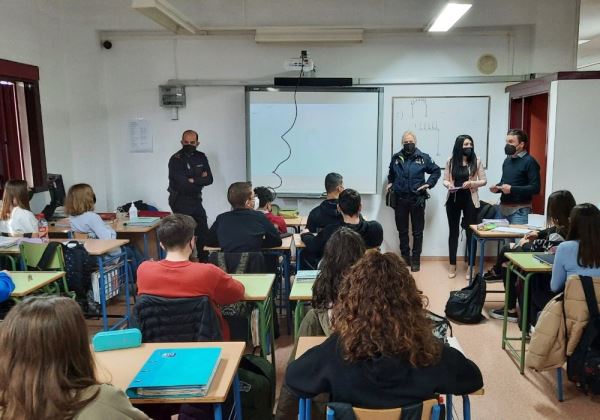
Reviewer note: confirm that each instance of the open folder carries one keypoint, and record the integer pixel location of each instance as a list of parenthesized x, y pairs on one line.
[(176, 373)]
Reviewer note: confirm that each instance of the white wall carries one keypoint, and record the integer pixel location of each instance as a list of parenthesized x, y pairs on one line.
[(575, 139)]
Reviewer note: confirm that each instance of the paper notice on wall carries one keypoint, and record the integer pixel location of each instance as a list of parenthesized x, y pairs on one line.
[(140, 136)]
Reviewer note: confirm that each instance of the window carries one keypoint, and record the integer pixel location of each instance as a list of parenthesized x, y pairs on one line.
[(22, 154)]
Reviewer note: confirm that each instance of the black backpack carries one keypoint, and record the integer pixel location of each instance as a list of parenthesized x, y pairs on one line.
[(465, 305), (257, 387), (583, 366), (486, 211)]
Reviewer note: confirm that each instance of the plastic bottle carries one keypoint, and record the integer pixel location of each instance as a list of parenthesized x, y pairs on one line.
[(133, 212), (42, 227)]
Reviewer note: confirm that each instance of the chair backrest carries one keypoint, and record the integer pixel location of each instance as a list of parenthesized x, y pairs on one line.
[(163, 319), (31, 253), (239, 262), (426, 410)]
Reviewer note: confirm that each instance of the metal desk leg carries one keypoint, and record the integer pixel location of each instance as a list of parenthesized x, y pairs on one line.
[(481, 255), (287, 256), (218, 411), (506, 296), (473, 246), (237, 399), (127, 288), (301, 409), (101, 284), (308, 403), (298, 315), (449, 407), (466, 407), (298, 256), (524, 329)]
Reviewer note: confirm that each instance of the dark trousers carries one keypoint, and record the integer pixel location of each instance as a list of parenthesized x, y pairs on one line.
[(459, 203), (406, 205), (192, 206)]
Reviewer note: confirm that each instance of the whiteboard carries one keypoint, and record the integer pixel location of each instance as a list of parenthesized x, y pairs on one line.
[(438, 120), (336, 130)]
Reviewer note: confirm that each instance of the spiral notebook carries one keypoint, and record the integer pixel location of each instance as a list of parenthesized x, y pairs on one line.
[(176, 373)]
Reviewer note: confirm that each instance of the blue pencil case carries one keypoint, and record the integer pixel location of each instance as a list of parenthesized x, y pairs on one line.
[(119, 339)]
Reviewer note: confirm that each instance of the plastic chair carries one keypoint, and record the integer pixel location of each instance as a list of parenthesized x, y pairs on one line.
[(31, 253), (428, 410)]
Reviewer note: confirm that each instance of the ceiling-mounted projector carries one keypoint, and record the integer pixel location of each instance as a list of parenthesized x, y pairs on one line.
[(304, 63)]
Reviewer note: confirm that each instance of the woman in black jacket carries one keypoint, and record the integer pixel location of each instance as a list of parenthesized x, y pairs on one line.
[(382, 353)]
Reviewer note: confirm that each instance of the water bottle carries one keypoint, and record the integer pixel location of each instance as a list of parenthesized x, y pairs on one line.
[(133, 212), (42, 227)]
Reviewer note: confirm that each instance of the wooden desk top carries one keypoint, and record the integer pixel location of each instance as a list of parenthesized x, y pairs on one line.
[(258, 286), (119, 367), (96, 247), (11, 250), (526, 262), (306, 343), (63, 226), (302, 290), (298, 241), (27, 282), (490, 234), (286, 244), (296, 221)]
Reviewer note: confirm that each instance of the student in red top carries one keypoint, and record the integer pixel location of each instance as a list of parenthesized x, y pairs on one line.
[(176, 276), (265, 199)]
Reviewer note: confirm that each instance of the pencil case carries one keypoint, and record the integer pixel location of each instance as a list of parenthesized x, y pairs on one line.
[(114, 340)]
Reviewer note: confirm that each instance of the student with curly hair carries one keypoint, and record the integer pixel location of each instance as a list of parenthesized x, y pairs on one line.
[(382, 353)]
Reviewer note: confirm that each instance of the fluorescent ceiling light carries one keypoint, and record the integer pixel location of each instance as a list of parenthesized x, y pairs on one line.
[(308, 34), (583, 41), (449, 16), (163, 13)]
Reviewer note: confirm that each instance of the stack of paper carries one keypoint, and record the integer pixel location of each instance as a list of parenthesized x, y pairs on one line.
[(7, 242), (143, 221), (304, 276)]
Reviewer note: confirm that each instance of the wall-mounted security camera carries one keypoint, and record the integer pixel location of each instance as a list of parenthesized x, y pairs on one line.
[(107, 45)]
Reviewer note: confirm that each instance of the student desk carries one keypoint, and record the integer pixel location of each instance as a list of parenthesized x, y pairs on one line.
[(119, 367), (524, 266), (100, 248), (284, 250), (301, 292), (481, 237), (297, 223), (28, 282), (306, 343), (139, 236), (258, 291), (12, 253)]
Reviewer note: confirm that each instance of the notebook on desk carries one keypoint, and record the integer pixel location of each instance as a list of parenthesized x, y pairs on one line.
[(143, 221), (303, 276), (176, 373), (545, 258), (7, 242)]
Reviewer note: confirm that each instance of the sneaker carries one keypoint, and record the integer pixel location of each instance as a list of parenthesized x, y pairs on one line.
[(512, 316), (452, 271), (491, 275)]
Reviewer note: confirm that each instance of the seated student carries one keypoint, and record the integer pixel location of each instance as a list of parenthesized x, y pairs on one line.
[(349, 205), (243, 229), (327, 212), (580, 254), (79, 205), (382, 353), (265, 200), (176, 276), (46, 366), (558, 209), (16, 218)]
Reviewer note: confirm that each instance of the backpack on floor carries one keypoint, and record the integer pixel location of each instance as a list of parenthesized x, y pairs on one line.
[(583, 366), (257, 387), (465, 305)]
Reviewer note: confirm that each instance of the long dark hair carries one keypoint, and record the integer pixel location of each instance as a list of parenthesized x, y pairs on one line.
[(343, 249), (45, 360), (380, 312), (585, 227), (558, 210), (14, 189), (457, 156)]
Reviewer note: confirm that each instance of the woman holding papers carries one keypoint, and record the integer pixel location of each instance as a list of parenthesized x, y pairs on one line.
[(463, 176), (47, 369)]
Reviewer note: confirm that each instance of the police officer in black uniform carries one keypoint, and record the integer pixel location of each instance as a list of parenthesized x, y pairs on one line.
[(189, 172), (407, 180)]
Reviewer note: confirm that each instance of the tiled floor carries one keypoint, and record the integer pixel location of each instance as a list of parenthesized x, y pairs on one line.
[(508, 394)]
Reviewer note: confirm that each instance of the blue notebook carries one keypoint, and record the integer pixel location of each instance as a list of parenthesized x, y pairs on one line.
[(176, 373)]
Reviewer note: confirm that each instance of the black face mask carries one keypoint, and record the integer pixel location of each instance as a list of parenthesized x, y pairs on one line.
[(468, 151), (510, 150), (408, 148), (189, 149)]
